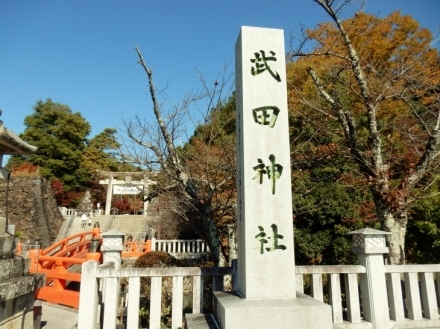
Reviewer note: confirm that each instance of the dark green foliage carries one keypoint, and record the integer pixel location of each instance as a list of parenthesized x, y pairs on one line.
[(423, 237), (98, 152), (60, 136), (65, 155), (220, 123), (332, 210), (329, 199)]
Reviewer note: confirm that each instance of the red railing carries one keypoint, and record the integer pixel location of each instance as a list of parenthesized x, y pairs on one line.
[(135, 249), (56, 260)]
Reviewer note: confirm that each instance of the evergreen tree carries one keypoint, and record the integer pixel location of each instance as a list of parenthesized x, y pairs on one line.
[(100, 152), (60, 136)]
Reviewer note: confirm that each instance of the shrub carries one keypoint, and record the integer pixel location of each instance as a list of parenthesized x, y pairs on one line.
[(24, 169)]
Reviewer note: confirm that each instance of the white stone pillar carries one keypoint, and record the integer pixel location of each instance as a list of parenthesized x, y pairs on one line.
[(266, 258), (112, 246), (108, 200), (88, 297), (145, 194), (370, 246)]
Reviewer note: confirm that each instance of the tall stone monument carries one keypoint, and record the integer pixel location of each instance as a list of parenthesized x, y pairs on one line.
[(265, 231), (266, 296)]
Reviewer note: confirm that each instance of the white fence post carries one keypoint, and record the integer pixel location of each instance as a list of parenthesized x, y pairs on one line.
[(155, 302), (88, 299), (316, 290), (437, 274), (111, 303), (369, 245), (429, 301), (197, 290), (412, 292), (177, 302), (352, 297), (335, 297), (134, 288), (394, 287)]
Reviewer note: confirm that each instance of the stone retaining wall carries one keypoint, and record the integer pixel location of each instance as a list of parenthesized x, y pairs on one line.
[(32, 208)]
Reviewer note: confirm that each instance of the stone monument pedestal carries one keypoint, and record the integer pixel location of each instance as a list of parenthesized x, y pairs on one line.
[(233, 311)]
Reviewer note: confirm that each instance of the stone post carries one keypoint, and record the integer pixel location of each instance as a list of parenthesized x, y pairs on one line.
[(88, 298), (145, 194), (94, 245), (112, 246), (266, 258), (370, 246), (108, 200), (266, 295)]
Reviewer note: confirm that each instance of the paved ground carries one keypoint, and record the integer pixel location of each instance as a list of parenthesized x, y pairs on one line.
[(62, 317), (58, 317)]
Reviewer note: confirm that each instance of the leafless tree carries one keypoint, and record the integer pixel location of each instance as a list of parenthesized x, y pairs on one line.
[(195, 175)]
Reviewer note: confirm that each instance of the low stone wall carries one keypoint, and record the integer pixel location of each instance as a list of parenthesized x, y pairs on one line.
[(17, 290), (32, 208)]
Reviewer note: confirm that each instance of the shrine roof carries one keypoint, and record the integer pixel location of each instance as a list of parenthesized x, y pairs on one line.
[(10, 143)]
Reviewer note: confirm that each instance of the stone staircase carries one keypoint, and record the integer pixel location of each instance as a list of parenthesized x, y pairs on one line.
[(130, 224), (75, 225)]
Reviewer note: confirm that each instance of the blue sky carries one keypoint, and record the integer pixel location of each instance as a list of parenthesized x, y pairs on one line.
[(81, 53)]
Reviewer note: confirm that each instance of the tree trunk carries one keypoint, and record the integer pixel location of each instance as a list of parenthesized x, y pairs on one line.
[(232, 242), (394, 223), (212, 236), (214, 243)]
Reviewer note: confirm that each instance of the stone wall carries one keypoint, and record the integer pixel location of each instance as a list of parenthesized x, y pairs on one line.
[(32, 208)]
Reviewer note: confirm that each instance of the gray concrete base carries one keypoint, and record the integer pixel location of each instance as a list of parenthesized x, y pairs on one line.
[(58, 317), (23, 320), (304, 312), (200, 321)]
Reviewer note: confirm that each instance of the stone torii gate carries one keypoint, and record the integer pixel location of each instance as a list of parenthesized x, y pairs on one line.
[(111, 182)]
